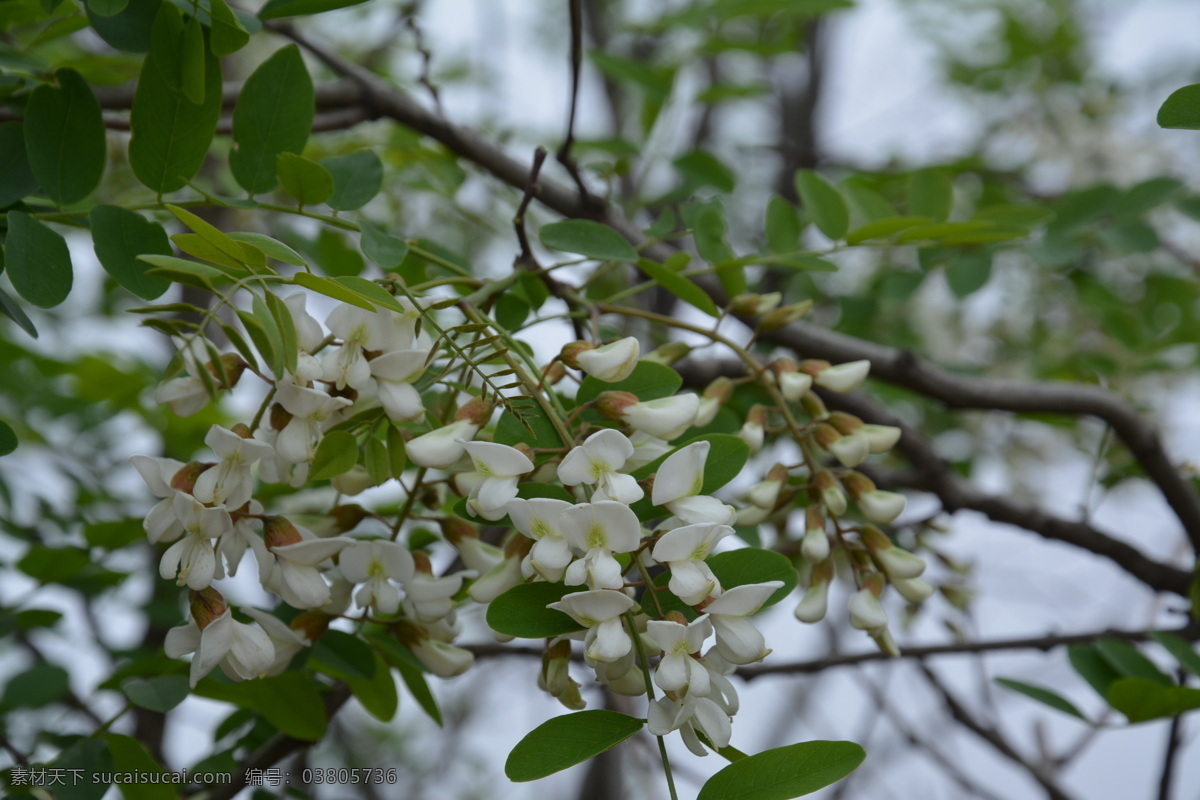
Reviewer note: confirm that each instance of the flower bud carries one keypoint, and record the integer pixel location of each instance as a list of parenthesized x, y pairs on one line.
[(880, 506), (612, 405), (815, 603), (280, 532), (845, 424), (914, 590), (555, 676), (882, 437), (312, 624), (866, 613), (206, 605), (280, 417), (897, 563), (755, 305), (185, 479), (886, 643), (844, 377), (830, 492), (766, 494), (353, 482), (815, 544), (814, 406), (773, 320), (233, 366), (669, 353), (243, 430), (611, 362), (455, 529), (715, 395), (753, 431), (477, 411), (553, 372), (851, 450), (570, 352), (346, 517)]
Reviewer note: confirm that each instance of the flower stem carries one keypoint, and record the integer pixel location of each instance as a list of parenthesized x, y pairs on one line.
[(662, 744)]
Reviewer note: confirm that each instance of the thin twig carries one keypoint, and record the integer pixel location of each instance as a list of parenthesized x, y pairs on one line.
[(564, 152), (525, 259)]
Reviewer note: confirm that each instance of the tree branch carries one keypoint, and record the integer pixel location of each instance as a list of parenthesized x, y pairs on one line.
[(895, 366)]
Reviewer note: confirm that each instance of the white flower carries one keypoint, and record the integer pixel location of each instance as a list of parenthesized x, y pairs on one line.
[(442, 659), (375, 564), (793, 385), (738, 641), (499, 466), (687, 715), (441, 447), (814, 546), (914, 590), (851, 450), (428, 598), (684, 550), (866, 613), (230, 482), (394, 373), (309, 335), (598, 530), (612, 362), (193, 557), (879, 506), (309, 409), (186, 394), (678, 483), (844, 377), (646, 448), (233, 543), (538, 518), (596, 461), (814, 604), (347, 365), (496, 581), (665, 418), (285, 640), (677, 671), (600, 612), (161, 524), (295, 576), (243, 651), (881, 437)]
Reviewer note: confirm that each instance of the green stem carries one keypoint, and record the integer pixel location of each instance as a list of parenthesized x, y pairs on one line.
[(645, 662)]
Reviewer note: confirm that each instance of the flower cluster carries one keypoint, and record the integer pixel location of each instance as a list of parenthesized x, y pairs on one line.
[(619, 511)]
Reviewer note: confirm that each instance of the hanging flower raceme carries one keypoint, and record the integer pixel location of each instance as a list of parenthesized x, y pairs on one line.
[(600, 612), (598, 530), (596, 461), (678, 483)]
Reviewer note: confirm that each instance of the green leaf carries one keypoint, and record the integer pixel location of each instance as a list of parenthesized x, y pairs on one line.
[(291, 8), (679, 286), (191, 273), (282, 316), (357, 178), (335, 256), (381, 247), (305, 180), (968, 272), (228, 33), (119, 237), (88, 756), (233, 251), (1044, 696), (648, 381), (1010, 214), (38, 686), (587, 238), (129, 30), (331, 289), (510, 430), (130, 756), (343, 655), (868, 204), (16, 177), (708, 231), (1092, 667), (521, 611), (191, 67), (568, 740), (336, 455), (1181, 109), (823, 203), (8, 439), (418, 687), (782, 226), (107, 8), (1181, 649), (377, 694), (11, 309), (930, 193), (1140, 699), (1126, 659), (113, 535), (784, 772), (290, 702), (397, 454), (274, 115), (38, 261), (161, 693), (260, 329), (273, 248), (64, 138), (373, 292), (883, 228), (704, 169), (755, 565), (170, 133), (375, 459), (511, 311)]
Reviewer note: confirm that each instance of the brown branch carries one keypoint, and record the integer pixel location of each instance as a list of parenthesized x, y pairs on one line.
[(896, 366), (564, 153), (994, 738), (525, 259)]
